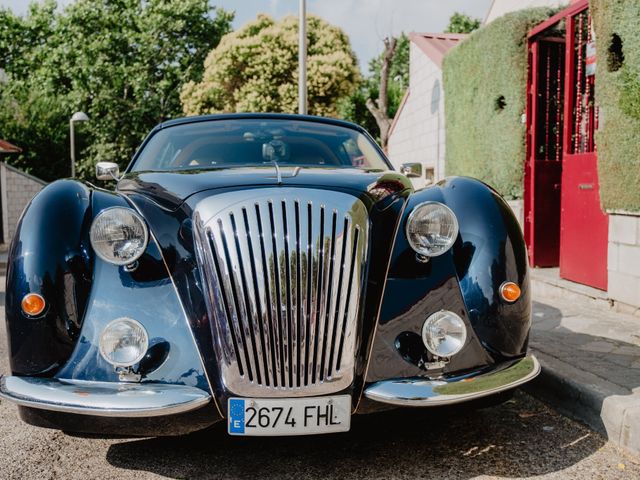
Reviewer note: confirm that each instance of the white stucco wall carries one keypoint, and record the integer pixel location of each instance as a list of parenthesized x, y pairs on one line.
[(624, 259), (419, 132), (500, 7)]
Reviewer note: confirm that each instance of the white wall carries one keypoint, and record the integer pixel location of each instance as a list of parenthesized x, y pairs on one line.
[(624, 259), (419, 133), (500, 7)]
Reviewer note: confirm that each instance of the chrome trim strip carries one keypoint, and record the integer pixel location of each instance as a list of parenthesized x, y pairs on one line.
[(102, 399), (420, 392), (283, 270), (384, 289)]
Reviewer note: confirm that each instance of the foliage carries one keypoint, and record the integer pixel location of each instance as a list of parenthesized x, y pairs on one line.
[(354, 109), (256, 69), (618, 98), (461, 23), (122, 62), (485, 80)]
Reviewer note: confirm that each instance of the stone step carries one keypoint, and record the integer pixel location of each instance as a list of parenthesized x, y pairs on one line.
[(547, 282)]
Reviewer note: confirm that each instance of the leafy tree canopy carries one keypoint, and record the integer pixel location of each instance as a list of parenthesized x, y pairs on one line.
[(255, 69), (123, 62), (461, 23), (353, 108)]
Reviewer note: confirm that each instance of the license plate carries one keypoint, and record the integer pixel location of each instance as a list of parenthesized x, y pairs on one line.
[(289, 416)]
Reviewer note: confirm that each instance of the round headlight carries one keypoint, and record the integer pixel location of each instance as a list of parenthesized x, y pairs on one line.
[(432, 228), (444, 333), (123, 342), (119, 235)]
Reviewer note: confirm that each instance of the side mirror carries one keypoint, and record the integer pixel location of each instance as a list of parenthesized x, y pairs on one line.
[(107, 171), (411, 170)]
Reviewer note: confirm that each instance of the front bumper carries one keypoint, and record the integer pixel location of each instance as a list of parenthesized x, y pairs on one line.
[(105, 399), (102, 399), (420, 392)]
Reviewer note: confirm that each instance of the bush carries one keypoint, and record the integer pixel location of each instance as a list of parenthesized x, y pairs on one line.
[(618, 97), (255, 69), (485, 80)]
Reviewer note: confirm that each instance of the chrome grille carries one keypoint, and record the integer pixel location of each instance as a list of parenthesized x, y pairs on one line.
[(283, 271)]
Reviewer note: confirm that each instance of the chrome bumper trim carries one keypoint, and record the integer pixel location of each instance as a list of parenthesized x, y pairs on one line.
[(419, 392), (103, 399)]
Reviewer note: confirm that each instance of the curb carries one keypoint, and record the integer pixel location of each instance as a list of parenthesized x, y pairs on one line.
[(605, 407)]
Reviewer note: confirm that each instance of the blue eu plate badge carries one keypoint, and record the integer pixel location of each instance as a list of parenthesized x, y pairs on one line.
[(236, 415)]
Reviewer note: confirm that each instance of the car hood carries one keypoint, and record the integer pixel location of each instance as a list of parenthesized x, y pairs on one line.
[(171, 189)]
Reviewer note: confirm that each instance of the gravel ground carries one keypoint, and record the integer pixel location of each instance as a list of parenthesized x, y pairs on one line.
[(522, 438)]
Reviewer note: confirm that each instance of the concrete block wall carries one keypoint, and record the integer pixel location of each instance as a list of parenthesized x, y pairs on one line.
[(16, 191), (418, 135), (624, 259)]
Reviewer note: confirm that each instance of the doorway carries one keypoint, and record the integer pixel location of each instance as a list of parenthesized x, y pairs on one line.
[(564, 223)]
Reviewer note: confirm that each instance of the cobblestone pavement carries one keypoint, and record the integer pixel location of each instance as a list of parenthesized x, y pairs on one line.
[(604, 343), (519, 439)]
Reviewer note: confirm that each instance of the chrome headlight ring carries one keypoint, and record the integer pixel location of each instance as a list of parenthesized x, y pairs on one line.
[(119, 235), (431, 229)]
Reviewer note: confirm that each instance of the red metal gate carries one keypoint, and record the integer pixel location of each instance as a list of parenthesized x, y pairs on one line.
[(584, 226), (564, 222)]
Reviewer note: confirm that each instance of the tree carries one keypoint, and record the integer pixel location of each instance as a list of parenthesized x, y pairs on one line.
[(122, 62), (255, 69), (380, 108), (354, 108), (461, 23)]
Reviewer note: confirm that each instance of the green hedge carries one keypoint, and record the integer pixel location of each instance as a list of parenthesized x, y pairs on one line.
[(618, 97), (485, 80)]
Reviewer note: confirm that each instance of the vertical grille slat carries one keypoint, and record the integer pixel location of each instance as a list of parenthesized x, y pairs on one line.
[(266, 253), (247, 301), (329, 297), (350, 286), (236, 313), (309, 296), (277, 300), (335, 312), (254, 296), (319, 295), (283, 272), (298, 303)]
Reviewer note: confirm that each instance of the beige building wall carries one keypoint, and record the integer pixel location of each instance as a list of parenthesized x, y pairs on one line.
[(16, 191), (499, 7), (418, 135)]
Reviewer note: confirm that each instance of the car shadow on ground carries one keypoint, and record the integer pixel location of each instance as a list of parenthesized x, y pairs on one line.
[(520, 438), (613, 362)]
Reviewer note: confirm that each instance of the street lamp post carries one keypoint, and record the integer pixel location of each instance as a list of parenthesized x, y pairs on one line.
[(77, 117), (302, 59)]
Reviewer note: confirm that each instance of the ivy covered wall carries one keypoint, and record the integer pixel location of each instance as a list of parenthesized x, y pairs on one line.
[(485, 80), (618, 98)]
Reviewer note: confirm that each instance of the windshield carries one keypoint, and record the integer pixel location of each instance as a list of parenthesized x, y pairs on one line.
[(258, 142)]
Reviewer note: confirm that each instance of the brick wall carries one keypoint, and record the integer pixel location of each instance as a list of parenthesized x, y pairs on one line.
[(624, 259), (418, 135), (16, 191)]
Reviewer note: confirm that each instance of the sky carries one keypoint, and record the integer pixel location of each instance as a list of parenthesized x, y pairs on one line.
[(366, 22)]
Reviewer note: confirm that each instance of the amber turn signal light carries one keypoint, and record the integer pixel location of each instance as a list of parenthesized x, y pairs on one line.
[(510, 292), (33, 304)]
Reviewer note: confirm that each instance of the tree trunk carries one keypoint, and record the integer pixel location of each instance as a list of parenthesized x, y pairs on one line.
[(380, 108)]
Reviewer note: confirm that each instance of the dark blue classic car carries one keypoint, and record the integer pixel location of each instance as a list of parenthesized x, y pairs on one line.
[(269, 271)]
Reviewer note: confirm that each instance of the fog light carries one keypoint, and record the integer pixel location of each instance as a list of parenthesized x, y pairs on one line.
[(444, 333), (33, 304), (124, 342)]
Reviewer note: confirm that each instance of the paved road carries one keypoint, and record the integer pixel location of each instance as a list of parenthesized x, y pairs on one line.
[(520, 439)]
